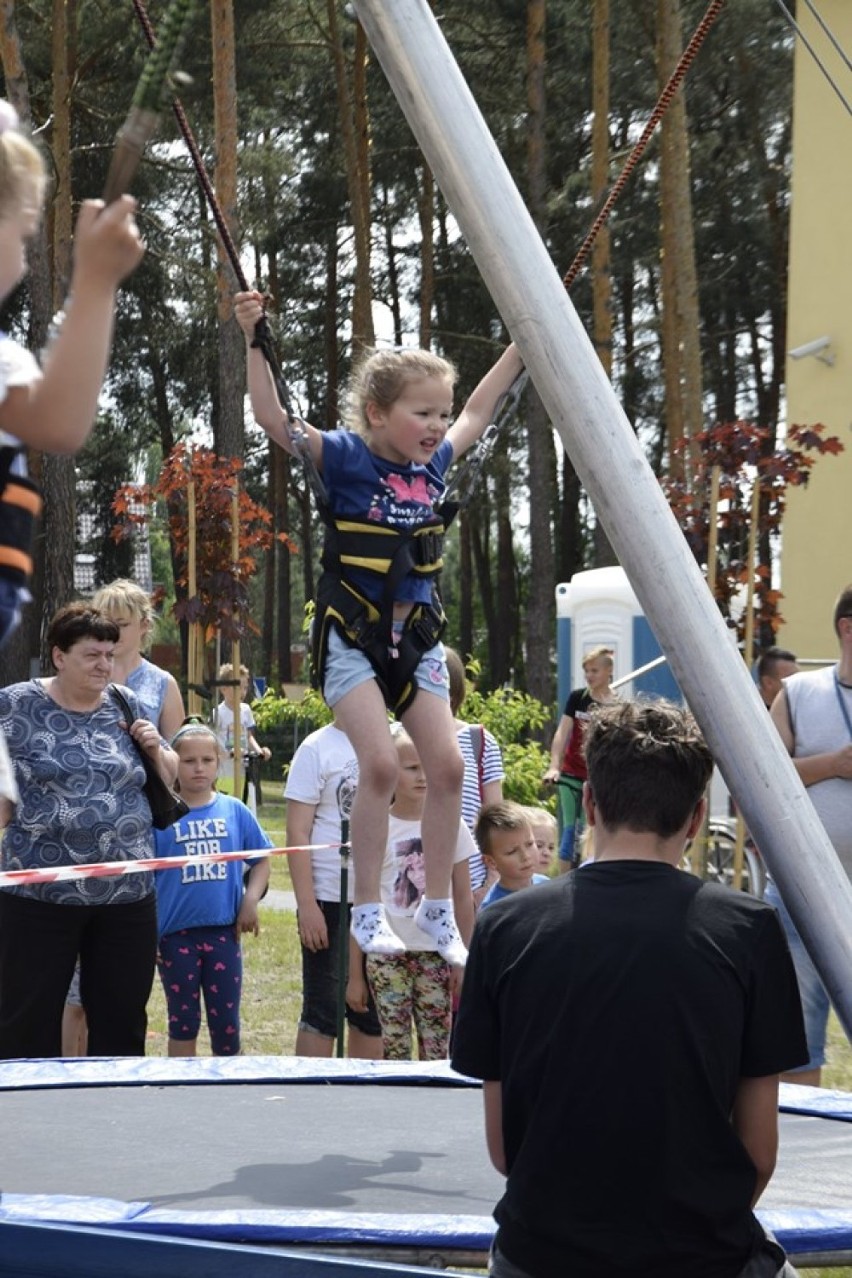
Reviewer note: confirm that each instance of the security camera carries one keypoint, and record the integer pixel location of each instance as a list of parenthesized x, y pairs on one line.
[(818, 348)]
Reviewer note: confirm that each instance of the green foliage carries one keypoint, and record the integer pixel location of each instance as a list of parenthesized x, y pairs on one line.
[(273, 711), (512, 716)]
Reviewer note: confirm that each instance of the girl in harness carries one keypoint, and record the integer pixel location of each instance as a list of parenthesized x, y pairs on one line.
[(383, 483)]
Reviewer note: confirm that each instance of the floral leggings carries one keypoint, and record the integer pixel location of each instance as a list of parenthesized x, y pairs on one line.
[(204, 960), (415, 985)]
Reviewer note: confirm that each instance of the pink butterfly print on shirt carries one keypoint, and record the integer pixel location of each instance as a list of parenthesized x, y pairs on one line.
[(416, 489)]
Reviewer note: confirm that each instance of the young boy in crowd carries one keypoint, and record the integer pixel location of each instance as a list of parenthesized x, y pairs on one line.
[(505, 838), (647, 1016), (236, 725)]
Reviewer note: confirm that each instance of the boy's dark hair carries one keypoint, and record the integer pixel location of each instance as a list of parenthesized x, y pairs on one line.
[(843, 608), (648, 766), (79, 621), (770, 657), (504, 815)]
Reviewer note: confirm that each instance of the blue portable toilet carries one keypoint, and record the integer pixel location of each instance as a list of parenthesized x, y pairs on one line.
[(598, 608)]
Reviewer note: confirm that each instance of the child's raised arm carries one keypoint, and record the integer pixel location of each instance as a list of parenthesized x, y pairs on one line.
[(479, 409), (55, 413), (268, 410)]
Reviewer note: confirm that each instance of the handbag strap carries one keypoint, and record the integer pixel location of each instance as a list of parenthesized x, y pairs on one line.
[(127, 710), (841, 701)]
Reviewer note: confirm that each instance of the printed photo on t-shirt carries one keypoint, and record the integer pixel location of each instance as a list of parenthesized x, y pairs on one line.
[(410, 876)]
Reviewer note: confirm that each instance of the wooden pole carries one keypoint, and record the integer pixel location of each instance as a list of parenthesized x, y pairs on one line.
[(700, 850), (194, 674), (748, 654), (235, 646)]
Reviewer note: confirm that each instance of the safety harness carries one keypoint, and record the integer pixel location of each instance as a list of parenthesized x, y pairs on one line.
[(20, 507), (389, 555)]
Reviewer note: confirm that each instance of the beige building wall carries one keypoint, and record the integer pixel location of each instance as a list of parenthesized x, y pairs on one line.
[(816, 560)]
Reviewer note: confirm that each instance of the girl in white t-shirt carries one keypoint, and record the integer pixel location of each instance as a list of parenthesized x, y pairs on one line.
[(415, 986), (53, 412)]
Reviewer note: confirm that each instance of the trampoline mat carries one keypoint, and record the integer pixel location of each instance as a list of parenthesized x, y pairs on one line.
[(313, 1146)]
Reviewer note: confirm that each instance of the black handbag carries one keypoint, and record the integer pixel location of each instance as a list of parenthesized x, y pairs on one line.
[(166, 806)]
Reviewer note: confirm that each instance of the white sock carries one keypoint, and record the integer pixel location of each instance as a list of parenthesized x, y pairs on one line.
[(437, 920), (372, 931)]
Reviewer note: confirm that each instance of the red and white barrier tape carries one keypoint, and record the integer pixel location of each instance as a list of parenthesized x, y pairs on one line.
[(113, 869)]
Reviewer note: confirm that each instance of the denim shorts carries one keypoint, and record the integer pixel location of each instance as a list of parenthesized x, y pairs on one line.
[(347, 667), (815, 1001), (319, 984)]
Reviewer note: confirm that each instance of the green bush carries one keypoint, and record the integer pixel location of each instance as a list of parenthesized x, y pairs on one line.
[(509, 714)]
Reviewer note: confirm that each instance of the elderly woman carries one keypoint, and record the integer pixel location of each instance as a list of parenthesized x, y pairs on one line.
[(128, 605), (80, 780)]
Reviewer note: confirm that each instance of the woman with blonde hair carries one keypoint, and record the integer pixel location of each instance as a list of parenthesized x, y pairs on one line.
[(129, 606)]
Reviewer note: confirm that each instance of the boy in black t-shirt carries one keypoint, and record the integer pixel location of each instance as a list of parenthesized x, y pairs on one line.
[(630, 1024)]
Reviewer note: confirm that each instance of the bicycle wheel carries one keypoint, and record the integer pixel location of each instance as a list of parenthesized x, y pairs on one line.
[(721, 847)]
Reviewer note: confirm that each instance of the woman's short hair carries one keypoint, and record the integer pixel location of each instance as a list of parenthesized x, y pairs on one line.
[(76, 621)]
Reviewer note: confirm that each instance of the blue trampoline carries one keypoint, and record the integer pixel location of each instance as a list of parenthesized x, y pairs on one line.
[(126, 1166)]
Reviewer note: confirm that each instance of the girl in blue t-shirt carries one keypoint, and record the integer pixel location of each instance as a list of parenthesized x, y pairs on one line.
[(389, 471), (202, 910)]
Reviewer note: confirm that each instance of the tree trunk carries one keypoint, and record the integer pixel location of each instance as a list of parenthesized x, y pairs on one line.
[(681, 327), (354, 123), (604, 554), (58, 474), (540, 612), (507, 593), (282, 554), (426, 218), (465, 606), (228, 422), (332, 361)]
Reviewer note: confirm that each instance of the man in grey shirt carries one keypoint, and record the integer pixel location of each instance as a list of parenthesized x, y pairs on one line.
[(813, 714)]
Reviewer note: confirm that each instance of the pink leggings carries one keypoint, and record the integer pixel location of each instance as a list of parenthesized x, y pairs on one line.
[(207, 959)]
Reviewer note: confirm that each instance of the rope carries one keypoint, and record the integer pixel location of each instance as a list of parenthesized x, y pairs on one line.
[(200, 168), (829, 34), (663, 103), (262, 335), (116, 869), (812, 51)]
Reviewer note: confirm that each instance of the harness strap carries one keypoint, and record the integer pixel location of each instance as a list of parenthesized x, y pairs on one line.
[(360, 624), (20, 507)]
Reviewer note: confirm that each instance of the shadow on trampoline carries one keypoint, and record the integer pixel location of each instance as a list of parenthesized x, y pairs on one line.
[(329, 1182)]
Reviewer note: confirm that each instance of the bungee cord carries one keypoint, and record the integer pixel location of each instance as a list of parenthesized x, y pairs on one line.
[(263, 335), (157, 78)]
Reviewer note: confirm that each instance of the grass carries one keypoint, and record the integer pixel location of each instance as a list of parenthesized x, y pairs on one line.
[(273, 983)]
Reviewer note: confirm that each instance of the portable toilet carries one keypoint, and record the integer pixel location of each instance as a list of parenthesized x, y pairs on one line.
[(598, 608)]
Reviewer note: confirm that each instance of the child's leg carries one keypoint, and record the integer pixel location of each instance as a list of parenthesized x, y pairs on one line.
[(221, 982), (361, 714), (429, 722), (74, 1028), (432, 1006), (391, 980), (571, 805), (179, 965)]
